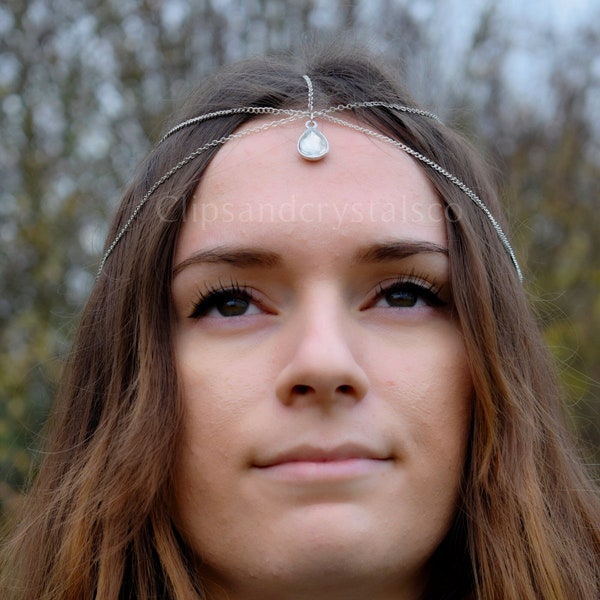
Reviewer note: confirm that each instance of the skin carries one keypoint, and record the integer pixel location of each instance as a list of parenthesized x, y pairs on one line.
[(326, 423)]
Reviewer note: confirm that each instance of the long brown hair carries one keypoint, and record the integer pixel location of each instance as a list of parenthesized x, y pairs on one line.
[(97, 523)]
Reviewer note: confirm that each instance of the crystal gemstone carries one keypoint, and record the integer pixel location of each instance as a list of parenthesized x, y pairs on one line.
[(312, 144)]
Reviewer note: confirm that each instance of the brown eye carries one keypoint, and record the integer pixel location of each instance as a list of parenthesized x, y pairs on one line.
[(408, 294), (401, 298), (227, 303), (232, 307)]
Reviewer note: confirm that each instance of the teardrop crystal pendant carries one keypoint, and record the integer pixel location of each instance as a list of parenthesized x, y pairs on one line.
[(312, 144)]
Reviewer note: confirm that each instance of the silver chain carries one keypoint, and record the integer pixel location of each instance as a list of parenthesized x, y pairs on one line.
[(436, 167), (311, 112), (182, 163), (294, 115)]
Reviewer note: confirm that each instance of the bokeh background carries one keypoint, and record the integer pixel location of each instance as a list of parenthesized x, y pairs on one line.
[(85, 87)]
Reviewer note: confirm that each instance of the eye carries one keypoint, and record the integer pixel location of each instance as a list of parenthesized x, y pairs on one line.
[(407, 293), (227, 302)]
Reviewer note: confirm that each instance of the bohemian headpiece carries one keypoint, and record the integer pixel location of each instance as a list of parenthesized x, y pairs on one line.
[(312, 146)]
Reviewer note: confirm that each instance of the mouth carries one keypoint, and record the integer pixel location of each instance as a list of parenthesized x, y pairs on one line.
[(310, 463)]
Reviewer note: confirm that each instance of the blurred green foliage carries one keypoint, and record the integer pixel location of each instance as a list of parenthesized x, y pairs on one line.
[(84, 90)]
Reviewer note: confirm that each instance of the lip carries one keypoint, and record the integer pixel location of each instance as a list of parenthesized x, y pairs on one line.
[(308, 462)]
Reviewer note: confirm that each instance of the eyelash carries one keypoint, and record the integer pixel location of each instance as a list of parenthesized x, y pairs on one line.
[(415, 284), (412, 284), (210, 297)]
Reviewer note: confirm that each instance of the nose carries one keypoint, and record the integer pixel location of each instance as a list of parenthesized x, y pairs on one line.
[(321, 365)]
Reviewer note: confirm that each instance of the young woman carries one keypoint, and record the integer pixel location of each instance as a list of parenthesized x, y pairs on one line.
[(308, 370)]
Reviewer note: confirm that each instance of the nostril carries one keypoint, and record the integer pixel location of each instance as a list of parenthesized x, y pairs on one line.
[(302, 390), (345, 389)]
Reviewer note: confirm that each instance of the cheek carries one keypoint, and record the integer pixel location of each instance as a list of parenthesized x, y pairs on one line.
[(201, 483), (436, 410), (215, 384), (212, 405), (445, 407), (432, 403), (217, 395)]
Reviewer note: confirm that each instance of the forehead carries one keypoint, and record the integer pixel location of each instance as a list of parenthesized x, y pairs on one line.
[(259, 187)]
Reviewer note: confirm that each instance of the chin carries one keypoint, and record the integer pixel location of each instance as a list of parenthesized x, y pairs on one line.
[(329, 558)]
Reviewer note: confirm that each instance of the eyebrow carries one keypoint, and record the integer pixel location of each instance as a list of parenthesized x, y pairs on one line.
[(244, 257), (396, 250), (238, 257)]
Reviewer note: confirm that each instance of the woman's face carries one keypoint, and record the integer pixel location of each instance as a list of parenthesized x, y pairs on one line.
[(325, 384)]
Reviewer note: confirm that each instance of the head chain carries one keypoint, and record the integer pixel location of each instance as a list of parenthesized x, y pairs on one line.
[(290, 115)]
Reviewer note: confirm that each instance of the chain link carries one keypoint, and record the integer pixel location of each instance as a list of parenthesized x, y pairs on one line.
[(290, 115)]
